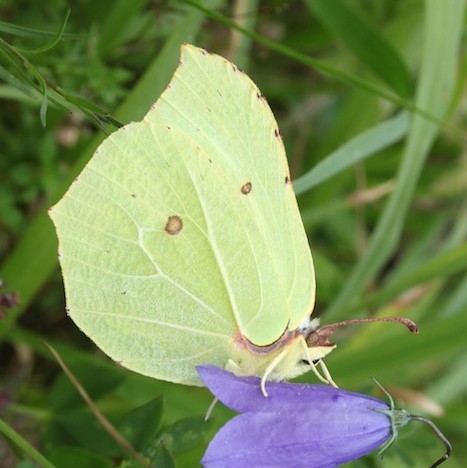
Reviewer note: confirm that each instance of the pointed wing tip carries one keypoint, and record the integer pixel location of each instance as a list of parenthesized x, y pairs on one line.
[(187, 49)]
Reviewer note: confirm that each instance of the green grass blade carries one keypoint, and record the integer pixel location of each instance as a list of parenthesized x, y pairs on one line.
[(458, 299), (452, 384), (24, 445), (27, 75), (366, 42), (117, 21), (443, 26), (21, 31), (58, 37), (363, 146), (16, 85)]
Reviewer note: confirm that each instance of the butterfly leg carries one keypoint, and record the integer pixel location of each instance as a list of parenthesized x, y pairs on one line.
[(274, 363), (326, 374), (327, 379)]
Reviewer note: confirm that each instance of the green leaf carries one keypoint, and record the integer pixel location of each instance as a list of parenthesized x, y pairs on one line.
[(141, 424), (162, 457), (74, 457), (97, 382), (80, 428), (185, 434)]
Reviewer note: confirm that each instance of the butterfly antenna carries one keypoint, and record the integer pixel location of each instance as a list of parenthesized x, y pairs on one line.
[(402, 320)]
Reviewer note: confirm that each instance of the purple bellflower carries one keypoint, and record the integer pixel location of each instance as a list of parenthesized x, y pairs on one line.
[(297, 425)]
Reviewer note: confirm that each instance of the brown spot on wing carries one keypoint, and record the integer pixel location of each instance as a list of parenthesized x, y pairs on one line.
[(174, 225), (246, 188)]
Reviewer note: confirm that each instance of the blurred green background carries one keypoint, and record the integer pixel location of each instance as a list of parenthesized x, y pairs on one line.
[(371, 100)]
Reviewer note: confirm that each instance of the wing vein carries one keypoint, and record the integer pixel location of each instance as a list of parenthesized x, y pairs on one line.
[(190, 330)]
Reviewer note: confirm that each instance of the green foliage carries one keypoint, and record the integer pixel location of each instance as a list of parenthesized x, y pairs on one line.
[(382, 194), (365, 41), (141, 425)]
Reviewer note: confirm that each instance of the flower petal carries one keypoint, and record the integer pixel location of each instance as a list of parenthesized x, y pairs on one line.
[(297, 439), (243, 394)]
